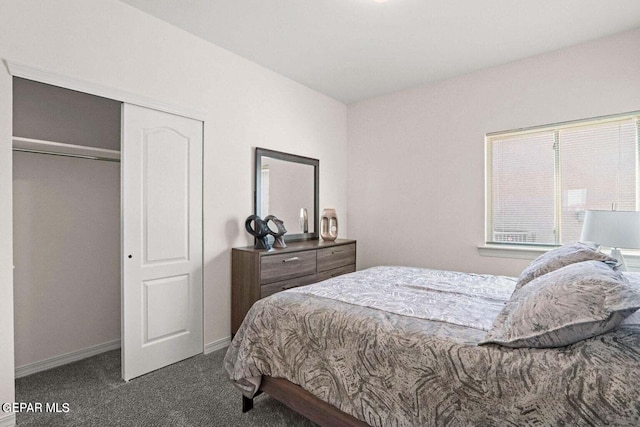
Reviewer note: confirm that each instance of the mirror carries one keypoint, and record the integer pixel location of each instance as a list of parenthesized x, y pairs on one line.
[(286, 186)]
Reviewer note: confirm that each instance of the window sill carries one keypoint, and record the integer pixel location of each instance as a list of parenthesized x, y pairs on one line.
[(632, 257), (513, 251)]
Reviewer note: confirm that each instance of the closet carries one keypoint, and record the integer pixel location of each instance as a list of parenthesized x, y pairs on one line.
[(107, 242), (66, 222)]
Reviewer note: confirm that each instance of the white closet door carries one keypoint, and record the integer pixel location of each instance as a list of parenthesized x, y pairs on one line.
[(161, 239)]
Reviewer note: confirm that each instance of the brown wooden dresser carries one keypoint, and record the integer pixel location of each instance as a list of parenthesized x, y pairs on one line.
[(258, 273)]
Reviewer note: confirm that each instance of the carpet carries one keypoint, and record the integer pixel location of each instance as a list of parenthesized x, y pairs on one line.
[(194, 392)]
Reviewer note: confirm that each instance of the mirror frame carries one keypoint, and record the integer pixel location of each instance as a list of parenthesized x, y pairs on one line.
[(263, 152)]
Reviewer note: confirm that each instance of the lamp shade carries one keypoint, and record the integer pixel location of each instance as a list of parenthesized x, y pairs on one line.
[(615, 229)]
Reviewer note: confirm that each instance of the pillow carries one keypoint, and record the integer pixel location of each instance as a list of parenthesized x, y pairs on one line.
[(559, 257), (575, 302)]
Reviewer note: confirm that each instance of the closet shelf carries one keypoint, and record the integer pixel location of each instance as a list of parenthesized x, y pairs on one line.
[(60, 148)]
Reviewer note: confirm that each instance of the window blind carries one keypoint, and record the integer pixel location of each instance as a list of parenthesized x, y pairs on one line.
[(540, 181)]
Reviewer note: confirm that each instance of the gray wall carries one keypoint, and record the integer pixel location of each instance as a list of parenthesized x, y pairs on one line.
[(66, 255), (56, 114)]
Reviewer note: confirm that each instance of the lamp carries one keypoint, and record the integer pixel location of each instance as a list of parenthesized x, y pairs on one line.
[(615, 229)]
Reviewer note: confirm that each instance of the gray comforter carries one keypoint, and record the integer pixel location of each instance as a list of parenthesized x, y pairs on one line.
[(397, 346)]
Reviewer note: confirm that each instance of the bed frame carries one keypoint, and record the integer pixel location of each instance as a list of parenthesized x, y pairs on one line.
[(304, 403)]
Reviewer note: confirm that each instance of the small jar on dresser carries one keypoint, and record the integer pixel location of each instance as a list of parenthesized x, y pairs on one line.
[(258, 273)]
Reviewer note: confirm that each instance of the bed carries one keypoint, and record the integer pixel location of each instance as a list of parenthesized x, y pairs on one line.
[(399, 346)]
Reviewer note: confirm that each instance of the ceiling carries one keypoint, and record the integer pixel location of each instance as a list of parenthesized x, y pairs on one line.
[(351, 50)]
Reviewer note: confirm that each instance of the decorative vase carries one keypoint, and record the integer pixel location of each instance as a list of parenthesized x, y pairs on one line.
[(304, 221), (329, 224)]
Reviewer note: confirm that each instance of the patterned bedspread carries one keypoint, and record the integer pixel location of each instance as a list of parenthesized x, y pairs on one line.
[(397, 346)]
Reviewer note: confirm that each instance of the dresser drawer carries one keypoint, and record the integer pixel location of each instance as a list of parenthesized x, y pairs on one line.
[(272, 288), (274, 268), (328, 274), (336, 256), (257, 273)]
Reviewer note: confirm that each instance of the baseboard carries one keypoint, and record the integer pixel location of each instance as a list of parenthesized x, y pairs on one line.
[(217, 345), (63, 359), (7, 420)]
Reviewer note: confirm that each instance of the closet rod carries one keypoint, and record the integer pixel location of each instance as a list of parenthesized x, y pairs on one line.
[(78, 156)]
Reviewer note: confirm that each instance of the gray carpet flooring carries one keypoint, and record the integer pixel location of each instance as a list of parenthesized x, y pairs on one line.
[(194, 392)]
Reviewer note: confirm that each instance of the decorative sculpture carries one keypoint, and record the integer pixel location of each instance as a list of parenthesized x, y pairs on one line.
[(278, 235), (260, 231)]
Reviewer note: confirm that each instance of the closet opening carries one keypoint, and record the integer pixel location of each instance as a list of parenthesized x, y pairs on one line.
[(66, 225)]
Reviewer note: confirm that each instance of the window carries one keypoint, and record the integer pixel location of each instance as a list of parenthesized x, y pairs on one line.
[(541, 180)]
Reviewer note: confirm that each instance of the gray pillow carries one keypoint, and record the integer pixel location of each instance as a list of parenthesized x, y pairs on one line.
[(558, 258), (570, 304)]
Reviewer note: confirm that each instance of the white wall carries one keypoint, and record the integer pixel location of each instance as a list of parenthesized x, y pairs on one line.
[(6, 245), (416, 158), (245, 105)]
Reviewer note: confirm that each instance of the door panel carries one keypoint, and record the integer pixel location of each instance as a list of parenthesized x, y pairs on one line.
[(166, 304), (162, 239), (166, 193)]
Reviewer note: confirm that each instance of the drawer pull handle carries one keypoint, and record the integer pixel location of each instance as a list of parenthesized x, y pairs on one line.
[(336, 252), (295, 258), (284, 288)]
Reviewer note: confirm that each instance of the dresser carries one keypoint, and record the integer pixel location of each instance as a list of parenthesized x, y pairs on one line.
[(258, 273)]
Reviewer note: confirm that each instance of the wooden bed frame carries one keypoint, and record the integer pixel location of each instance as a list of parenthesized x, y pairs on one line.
[(304, 403)]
